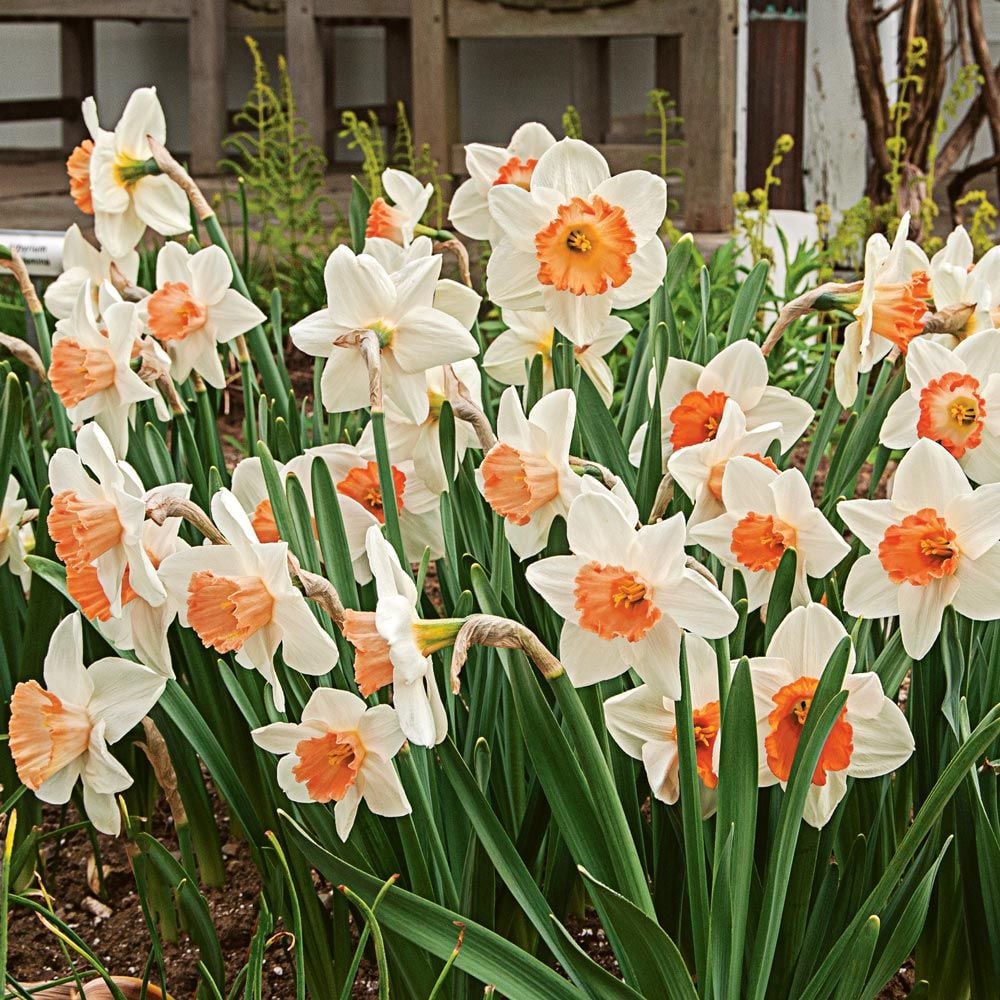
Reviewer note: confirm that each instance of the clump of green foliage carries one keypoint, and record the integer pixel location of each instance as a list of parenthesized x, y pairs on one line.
[(282, 195), (982, 225), (365, 135), (571, 124)]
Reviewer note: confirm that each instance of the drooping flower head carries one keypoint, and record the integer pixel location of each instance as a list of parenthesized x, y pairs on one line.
[(931, 544), (526, 476), (397, 221), (15, 537), (340, 752), (83, 262), (60, 732), (239, 598), (894, 303), (90, 369), (399, 308), (625, 595), (193, 310), (870, 736), (957, 281), (580, 242), (643, 722), (392, 645), (954, 399), (97, 523), (766, 514), (125, 196), (488, 166)]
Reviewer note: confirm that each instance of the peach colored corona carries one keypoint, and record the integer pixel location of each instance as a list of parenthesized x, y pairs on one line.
[(78, 169), (173, 312), (225, 611), (586, 248), (76, 373), (517, 483), (696, 418), (919, 549), (83, 530), (707, 720), (899, 308), (362, 485), (46, 733), (952, 412), (760, 540), (372, 662), (614, 603), (329, 764), (517, 171)]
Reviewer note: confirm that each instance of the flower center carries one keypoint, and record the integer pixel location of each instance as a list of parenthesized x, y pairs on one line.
[(718, 470), (361, 484), (614, 603), (792, 704), (706, 720), (128, 172), (696, 418), (952, 412), (586, 248), (517, 483), (919, 549), (898, 309), (174, 313), (760, 540), (329, 764), (226, 610), (83, 530), (516, 171), (46, 733), (78, 168), (77, 373), (372, 665), (385, 222)]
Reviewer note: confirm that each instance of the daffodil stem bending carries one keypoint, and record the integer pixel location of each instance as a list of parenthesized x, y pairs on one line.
[(387, 486)]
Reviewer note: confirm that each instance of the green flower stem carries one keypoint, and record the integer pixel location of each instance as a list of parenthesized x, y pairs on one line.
[(387, 487)]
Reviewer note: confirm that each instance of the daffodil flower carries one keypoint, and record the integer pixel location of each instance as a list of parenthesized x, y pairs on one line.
[(644, 724), (530, 333), (15, 538), (957, 281), (954, 399), (397, 221), (399, 309), (60, 732), (625, 594), (125, 192), (698, 469), (340, 752), (894, 303), (580, 242), (90, 370), (869, 738), (392, 645), (239, 598), (83, 262), (526, 476), (97, 524), (693, 398), (933, 543), (193, 310), (766, 514), (488, 166)]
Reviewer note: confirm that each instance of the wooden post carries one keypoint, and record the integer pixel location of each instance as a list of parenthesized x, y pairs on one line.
[(435, 80), (304, 50), (667, 64), (592, 86), (708, 103), (76, 56), (398, 64), (207, 83)]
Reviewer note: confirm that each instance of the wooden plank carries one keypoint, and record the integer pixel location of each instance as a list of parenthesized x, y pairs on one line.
[(398, 66), (591, 90), (76, 73), (369, 10), (207, 83), (475, 19), (667, 64), (304, 50), (38, 109), (102, 10), (435, 79), (708, 103)]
